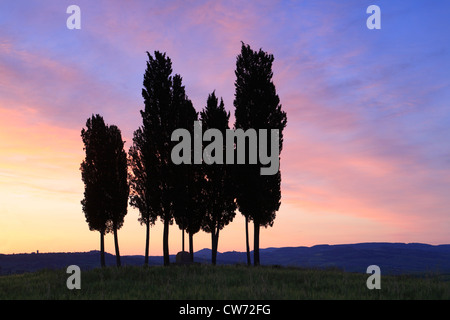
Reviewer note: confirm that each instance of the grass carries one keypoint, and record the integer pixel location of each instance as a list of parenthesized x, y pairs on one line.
[(219, 283)]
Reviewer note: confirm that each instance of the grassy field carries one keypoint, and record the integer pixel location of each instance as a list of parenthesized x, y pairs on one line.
[(220, 282)]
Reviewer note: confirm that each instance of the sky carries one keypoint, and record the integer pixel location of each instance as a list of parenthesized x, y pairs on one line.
[(366, 154)]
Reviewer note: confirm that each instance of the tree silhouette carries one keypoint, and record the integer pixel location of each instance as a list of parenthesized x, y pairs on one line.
[(145, 190), (94, 200), (158, 124), (219, 204), (117, 186), (167, 107), (185, 182), (104, 173), (257, 106)]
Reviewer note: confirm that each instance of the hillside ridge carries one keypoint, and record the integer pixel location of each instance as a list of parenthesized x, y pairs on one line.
[(392, 258)]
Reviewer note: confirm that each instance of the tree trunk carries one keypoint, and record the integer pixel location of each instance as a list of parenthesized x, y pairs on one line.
[(191, 246), (147, 242), (249, 262), (214, 244), (256, 244), (166, 243), (213, 257), (102, 248), (182, 240), (116, 245)]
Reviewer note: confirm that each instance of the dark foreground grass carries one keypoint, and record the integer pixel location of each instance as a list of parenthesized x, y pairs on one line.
[(218, 283)]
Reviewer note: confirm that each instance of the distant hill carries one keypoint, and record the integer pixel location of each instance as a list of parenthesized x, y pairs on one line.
[(392, 258)]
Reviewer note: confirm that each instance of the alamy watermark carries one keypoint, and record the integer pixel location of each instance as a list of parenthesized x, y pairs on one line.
[(213, 152), (374, 281), (374, 21), (74, 280), (74, 20)]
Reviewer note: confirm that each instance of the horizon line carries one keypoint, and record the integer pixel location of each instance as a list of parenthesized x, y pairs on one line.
[(251, 251)]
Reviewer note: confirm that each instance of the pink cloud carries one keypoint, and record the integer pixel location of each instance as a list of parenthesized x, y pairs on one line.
[(60, 92), (347, 178)]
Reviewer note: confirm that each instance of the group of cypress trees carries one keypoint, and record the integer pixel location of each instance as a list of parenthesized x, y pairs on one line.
[(195, 196)]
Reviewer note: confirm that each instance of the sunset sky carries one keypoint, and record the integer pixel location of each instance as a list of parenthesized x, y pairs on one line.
[(366, 154)]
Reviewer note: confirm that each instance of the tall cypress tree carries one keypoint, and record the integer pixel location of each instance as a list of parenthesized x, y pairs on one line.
[(92, 170), (184, 178), (118, 187), (159, 186), (219, 204), (257, 106), (145, 192), (104, 173), (158, 124)]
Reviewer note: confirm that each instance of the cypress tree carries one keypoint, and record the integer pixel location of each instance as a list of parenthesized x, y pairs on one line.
[(218, 196), (257, 106)]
